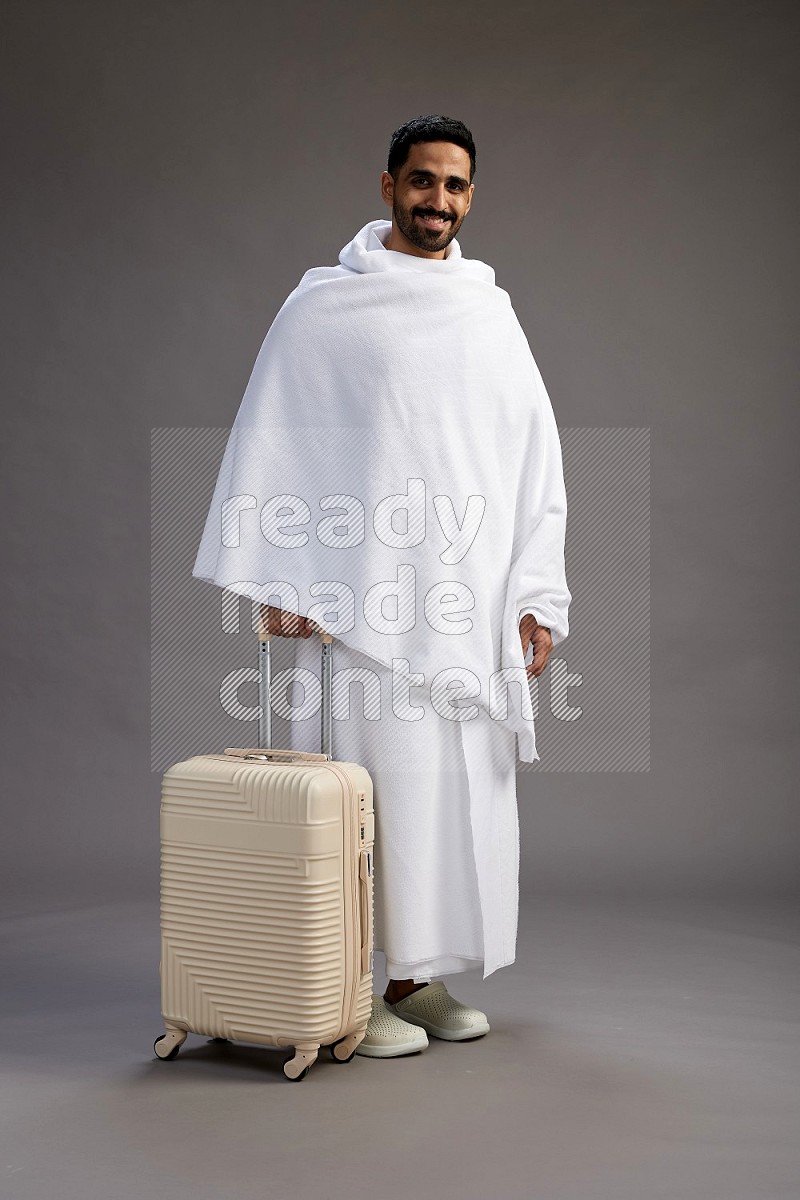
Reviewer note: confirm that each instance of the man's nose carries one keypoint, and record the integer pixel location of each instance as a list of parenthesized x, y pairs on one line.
[(439, 198)]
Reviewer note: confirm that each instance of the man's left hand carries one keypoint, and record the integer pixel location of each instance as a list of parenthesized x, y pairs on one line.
[(530, 631)]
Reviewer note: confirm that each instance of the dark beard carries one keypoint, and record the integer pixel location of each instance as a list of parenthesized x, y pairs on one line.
[(418, 235)]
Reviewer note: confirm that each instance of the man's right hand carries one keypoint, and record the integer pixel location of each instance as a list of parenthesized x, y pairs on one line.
[(282, 623)]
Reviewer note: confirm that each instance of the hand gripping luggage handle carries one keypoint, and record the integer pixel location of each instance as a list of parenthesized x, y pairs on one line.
[(265, 682)]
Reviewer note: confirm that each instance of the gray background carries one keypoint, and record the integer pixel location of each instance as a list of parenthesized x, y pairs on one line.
[(171, 171)]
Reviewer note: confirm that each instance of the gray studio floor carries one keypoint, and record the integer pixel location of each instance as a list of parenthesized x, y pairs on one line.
[(638, 1052)]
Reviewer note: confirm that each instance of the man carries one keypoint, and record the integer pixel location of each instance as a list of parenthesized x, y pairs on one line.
[(397, 390)]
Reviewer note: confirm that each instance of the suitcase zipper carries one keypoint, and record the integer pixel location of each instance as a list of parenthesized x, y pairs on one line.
[(355, 894)]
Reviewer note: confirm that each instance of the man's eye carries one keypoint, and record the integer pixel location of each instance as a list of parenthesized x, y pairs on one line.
[(420, 182)]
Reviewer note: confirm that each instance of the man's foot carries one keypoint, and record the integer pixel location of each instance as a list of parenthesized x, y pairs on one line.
[(398, 989), (432, 1007), (388, 1035)]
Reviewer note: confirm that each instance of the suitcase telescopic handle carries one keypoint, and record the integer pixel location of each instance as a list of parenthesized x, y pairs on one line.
[(265, 683)]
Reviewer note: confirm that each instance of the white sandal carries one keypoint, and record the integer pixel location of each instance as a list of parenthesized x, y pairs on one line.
[(435, 1010), (388, 1035)]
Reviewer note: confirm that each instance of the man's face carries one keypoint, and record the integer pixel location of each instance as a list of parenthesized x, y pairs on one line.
[(431, 197)]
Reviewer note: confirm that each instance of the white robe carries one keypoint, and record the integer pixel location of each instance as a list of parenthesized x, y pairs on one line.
[(391, 375)]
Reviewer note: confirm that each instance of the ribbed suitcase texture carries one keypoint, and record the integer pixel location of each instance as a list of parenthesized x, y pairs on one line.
[(267, 902)]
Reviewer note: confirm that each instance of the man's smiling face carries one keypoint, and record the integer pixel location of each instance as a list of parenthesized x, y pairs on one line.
[(430, 199)]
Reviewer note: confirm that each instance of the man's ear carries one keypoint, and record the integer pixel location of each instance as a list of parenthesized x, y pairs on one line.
[(387, 188)]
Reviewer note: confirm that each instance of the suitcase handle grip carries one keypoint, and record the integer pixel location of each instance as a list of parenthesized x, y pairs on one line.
[(251, 753), (265, 636), (364, 872)]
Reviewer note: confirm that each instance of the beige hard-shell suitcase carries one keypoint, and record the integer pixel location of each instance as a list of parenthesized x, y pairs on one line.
[(267, 895)]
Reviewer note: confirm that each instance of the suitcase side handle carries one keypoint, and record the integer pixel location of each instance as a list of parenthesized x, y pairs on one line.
[(251, 753), (364, 872)]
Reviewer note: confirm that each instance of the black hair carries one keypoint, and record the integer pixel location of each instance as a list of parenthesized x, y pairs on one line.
[(428, 129)]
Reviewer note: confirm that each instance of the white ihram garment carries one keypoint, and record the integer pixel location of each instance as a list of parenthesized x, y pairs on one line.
[(427, 902), (395, 386)]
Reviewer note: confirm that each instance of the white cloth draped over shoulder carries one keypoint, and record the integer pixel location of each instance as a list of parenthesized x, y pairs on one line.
[(394, 472)]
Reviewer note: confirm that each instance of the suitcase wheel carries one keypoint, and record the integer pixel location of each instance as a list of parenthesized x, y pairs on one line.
[(166, 1054), (297, 1068), (344, 1050), (297, 1078), (335, 1056)]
